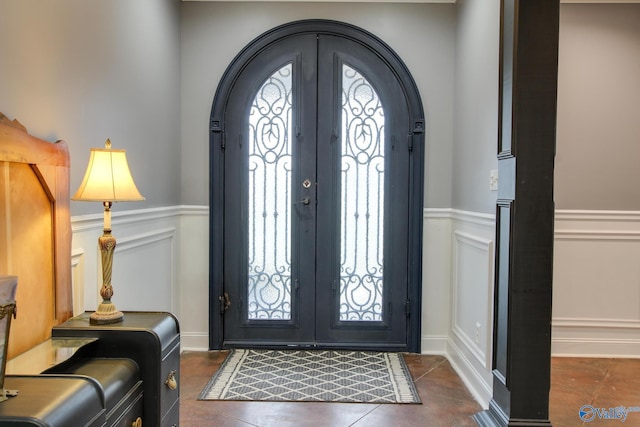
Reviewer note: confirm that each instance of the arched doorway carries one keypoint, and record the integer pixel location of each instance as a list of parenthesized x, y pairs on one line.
[(317, 170)]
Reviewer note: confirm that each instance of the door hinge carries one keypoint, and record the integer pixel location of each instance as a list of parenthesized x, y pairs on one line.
[(216, 128), (407, 308), (225, 302), (418, 128)]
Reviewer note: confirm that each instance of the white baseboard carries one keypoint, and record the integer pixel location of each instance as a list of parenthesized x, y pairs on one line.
[(575, 337), (434, 344), (469, 374), (596, 348), (194, 341)]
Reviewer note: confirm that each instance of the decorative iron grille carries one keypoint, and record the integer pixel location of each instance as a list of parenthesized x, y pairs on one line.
[(269, 208), (362, 200), (362, 206)]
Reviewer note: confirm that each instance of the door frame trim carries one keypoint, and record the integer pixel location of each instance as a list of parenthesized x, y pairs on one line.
[(216, 165)]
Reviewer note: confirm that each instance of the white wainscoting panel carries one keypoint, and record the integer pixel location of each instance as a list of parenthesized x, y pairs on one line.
[(162, 264), (596, 294), (470, 338), (458, 294), (472, 294), (436, 281), (194, 278), (596, 301), (77, 280), (145, 270), (145, 264)]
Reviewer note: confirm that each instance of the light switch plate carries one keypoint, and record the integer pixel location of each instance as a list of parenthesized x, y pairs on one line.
[(493, 180)]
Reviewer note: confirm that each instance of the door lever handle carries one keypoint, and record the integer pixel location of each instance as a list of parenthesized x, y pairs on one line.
[(305, 201)]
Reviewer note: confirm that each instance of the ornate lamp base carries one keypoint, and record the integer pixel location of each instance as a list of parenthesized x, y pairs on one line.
[(107, 311), (106, 314)]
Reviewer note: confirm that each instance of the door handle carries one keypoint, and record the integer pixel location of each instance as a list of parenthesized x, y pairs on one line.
[(305, 201)]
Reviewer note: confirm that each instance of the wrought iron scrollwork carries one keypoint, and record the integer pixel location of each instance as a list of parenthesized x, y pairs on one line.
[(362, 215), (269, 275)]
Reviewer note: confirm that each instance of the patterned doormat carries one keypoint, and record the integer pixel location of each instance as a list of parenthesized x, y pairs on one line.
[(312, 376)]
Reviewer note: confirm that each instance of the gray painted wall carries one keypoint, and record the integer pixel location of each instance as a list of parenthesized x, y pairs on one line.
[(598, 130), (476, 104), (598, 139), (144, 74), (213, 33), (84, 71)]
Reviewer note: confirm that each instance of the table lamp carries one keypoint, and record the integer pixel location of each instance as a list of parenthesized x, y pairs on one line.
[(107, 180)]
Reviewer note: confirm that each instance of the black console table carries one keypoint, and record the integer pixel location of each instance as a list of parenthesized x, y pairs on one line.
[(152, 340)]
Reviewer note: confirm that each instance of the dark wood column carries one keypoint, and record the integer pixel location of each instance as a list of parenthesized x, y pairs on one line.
[(524, 215)]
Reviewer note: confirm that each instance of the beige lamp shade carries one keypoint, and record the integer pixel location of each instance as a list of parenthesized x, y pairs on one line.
[(108, 178)]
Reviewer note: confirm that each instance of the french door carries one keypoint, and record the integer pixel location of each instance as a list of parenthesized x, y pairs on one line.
[(317, 172)]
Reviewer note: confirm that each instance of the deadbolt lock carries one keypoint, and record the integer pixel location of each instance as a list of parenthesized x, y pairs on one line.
[(306, 183)]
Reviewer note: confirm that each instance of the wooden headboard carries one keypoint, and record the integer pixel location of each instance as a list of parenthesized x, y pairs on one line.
[(35, 232)]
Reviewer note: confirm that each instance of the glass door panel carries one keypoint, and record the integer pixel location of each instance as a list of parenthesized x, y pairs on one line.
[(269, 201), (362, 200)]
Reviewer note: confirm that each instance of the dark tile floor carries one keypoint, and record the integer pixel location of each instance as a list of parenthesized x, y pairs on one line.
[(445, 400)]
